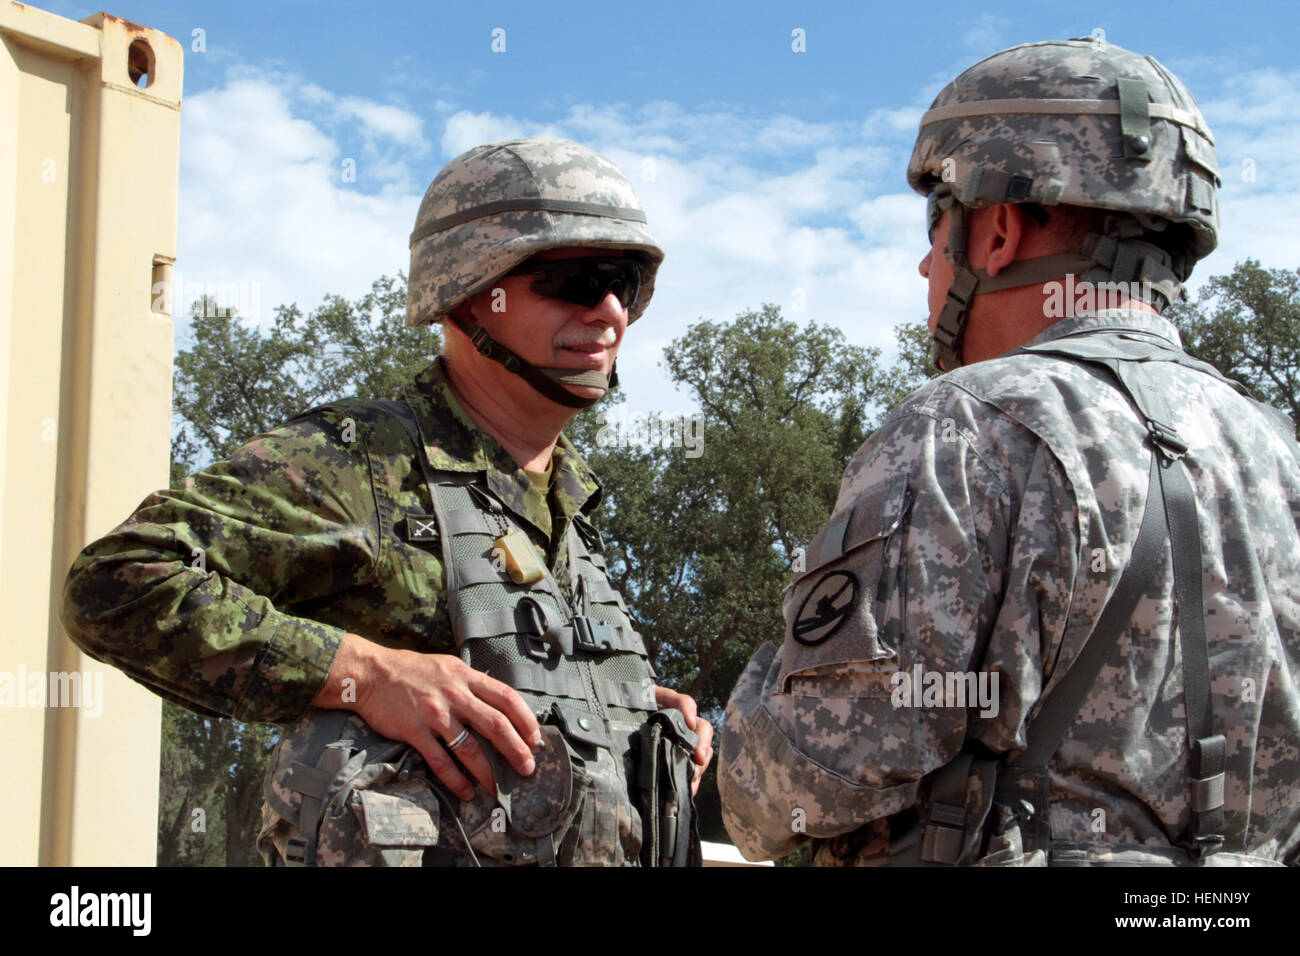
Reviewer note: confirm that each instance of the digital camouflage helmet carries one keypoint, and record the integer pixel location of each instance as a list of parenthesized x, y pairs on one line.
[(1077, 122), (497, 205)]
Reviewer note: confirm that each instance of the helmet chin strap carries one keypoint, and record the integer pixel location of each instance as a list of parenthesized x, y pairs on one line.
[(950, 328), (1117, 256), (548, 381)]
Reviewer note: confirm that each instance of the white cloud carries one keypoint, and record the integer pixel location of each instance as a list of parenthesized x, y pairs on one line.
[(1255, 117), (265, 209), (379, 119)]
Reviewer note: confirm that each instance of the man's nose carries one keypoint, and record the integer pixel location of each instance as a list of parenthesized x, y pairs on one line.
[(608, 310), (924, 267)]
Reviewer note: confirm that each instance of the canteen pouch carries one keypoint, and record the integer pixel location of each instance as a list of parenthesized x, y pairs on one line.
[(529, 820), (670, 835)]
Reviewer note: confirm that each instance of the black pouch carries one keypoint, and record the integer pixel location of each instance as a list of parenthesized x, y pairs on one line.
[(669, 833)]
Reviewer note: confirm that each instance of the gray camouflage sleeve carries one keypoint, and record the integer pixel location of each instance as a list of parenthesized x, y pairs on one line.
[(949, 528)]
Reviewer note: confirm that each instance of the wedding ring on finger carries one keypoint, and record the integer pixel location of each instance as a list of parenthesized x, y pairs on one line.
[(459, 740)]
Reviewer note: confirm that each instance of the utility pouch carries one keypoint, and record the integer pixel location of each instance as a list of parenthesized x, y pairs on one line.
[(670, 835), (339, 794)]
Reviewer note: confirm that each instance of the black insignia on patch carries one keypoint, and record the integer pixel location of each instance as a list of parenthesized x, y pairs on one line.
[(826, 607)]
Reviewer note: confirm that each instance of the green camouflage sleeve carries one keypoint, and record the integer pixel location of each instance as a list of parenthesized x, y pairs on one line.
[(949, 527), (185, 596)]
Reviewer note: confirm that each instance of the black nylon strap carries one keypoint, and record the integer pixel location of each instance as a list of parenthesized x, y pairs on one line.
[(1208, 750), (944, 835), (301, 848)]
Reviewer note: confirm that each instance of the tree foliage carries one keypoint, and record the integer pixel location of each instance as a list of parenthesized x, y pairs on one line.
[(236, 382), (1247, 324)]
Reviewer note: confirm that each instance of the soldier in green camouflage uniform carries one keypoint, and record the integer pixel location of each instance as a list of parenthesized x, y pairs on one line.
[(322, 596), (981, 532)]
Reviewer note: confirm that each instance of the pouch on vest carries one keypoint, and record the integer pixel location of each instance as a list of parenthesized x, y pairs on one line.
[(528, 820), (670, 835), (339, 794)]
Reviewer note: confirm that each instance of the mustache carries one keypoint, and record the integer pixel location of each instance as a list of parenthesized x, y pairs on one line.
[(605, 336)]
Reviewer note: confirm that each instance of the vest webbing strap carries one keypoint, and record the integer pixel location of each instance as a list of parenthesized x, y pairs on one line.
[(470, 521), (1170, 512), (481, 571), (1208, 749), (599, 591), (523, 677), (311, 784), (607, 638)]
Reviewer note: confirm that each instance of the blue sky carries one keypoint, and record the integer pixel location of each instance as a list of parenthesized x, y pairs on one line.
[(767, 175)]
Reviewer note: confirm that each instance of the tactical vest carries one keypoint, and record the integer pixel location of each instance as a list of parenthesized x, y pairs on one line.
[(612, 781), (979, 807)]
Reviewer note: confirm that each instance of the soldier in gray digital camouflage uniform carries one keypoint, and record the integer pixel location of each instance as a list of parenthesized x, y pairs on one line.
[(994, 654), (415, 584)]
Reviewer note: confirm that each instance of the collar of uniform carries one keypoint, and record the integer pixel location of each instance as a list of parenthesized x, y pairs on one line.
[(1130, 320), (455, 443)]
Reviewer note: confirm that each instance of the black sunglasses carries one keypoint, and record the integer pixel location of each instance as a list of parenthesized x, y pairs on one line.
[(585, 281)]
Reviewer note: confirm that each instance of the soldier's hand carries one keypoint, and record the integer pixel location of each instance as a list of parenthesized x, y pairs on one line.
[(426, 700), (704, 749)]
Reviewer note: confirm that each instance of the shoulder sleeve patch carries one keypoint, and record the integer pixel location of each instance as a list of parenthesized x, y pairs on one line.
[(831, 606)]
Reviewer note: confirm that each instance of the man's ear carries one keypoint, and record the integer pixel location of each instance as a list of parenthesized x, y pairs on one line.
[(466, 310), (1001, 240)]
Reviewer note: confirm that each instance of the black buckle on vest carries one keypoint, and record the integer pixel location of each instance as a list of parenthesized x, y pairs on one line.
[(944, 835), (1166, 439), (1208, 778), (592, 636), (296, 850), (545, 631)]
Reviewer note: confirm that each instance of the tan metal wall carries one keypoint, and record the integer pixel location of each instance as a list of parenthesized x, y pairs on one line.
[(88, 181)]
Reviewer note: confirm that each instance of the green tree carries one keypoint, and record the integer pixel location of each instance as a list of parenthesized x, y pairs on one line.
[(232, 383), (1247, 325)]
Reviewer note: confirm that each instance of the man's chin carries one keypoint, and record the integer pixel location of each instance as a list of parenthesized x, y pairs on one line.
[(589, 392)]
